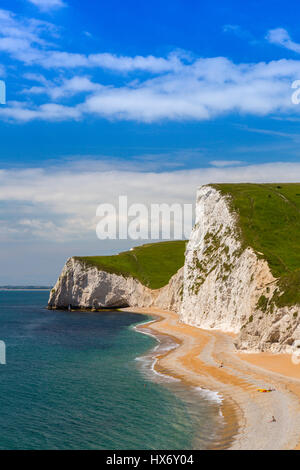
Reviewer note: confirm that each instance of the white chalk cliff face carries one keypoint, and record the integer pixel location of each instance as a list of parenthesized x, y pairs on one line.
[(221, 281), (221, 285), (87, 287)]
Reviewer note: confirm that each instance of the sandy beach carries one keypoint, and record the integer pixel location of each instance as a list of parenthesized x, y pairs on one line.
[(247, 412)]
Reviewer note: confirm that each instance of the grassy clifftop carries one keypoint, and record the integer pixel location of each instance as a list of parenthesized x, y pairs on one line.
[(152, 264), (269, 221)]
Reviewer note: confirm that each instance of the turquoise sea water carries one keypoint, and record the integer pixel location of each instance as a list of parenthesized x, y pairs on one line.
[(84, 381)]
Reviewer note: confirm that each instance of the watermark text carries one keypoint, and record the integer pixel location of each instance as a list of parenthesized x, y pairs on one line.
[(139, 221), (2, 353)]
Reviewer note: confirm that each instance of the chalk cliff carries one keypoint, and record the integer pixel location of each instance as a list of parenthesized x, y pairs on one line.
[(227, 287), (87, 287), (223, 284)]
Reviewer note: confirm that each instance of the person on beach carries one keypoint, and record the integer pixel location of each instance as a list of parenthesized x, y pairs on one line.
[(273, 420)]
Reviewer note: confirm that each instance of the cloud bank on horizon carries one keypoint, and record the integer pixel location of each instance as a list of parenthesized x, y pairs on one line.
[(178, 87), (51, 206)]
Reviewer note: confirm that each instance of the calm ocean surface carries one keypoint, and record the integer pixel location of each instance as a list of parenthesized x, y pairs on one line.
[(85, 381)]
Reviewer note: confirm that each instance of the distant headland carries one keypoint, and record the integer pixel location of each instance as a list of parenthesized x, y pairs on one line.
[(25, 287)]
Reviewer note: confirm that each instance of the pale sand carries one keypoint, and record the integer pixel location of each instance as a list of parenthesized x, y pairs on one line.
[(247, 413), (280, 363)]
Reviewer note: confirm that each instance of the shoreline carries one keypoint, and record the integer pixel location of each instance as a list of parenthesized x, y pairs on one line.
[(247, 413), (225, 408)]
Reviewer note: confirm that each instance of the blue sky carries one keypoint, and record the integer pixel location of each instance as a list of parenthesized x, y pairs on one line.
[(145, 99)]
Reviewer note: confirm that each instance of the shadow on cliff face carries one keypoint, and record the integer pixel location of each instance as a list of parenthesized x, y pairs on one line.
[(79, 308)]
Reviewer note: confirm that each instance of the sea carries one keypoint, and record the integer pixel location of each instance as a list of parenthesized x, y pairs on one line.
[(86, 380)]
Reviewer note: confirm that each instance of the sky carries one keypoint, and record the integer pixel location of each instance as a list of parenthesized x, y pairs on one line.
[(144, 99)]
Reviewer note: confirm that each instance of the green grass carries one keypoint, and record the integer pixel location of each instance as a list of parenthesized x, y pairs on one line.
[(152, 264), (269, 222)]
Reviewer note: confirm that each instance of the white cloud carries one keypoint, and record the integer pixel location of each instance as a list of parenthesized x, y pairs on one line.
[(281, 37), (223, 163), (23, 39), (50, 59), (238, 31), (67, 87), (46, 112), (272, 132), (128, 64), (205, 89), (47, 5), (63, 200), (29, 29)]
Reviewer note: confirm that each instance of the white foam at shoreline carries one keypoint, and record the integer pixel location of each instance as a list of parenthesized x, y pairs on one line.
[(210, 394), (146, 332), (150, 357), (162, 346), (150, 363)]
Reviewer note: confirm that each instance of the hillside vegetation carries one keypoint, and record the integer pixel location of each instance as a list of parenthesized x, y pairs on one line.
[(269, 222), (152, 264)]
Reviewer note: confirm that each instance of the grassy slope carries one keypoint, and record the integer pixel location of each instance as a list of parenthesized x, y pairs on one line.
[(269, 218), (152, 264)]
